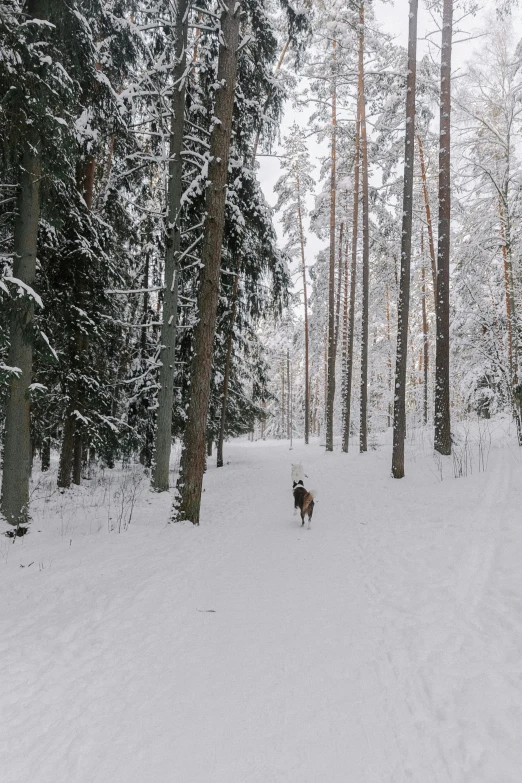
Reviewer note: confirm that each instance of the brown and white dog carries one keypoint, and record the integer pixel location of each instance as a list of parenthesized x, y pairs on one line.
[(303, 498)]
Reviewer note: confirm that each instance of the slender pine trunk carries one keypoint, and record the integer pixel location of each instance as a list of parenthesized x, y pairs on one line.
[(353, 280), (403, 314), (442, 361), (190, 481), (363, 429), (17, 435), (339, 287), (45, 454), (163, 435), (67, 449), (226, 376), (330, 399), (305, 297), (425, 347)]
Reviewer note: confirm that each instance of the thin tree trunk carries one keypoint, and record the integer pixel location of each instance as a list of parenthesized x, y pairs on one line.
[(428, 217), (442, 360), (67, 449), (508, 287), (226, 376), (190, 480), (403, 309), (77, 458), (17, 436), (346, 275), (289, 406), (353, 280), (331, 288), (305, 296), (283, 402), (45, 454), (390, 373), (163, 436), (425, 345), (339, 287), (363, 430)]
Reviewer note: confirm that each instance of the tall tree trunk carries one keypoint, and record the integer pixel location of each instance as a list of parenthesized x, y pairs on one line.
[(163, 436), (508, 288), (226, 376), (77, 458), (363, 429), (442, 360), (428, 217), (403, 309), (339, 287), (513, 341), (289, 413), (190, 480), (353, 280), (305, 297), (17, 436), (344, 349), (283, 409), (388, 337), (45, 454), (425, 346), (67, 449), (331, 288)]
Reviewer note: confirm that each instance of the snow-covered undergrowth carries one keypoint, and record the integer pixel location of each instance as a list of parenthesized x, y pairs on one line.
[(383, 645)]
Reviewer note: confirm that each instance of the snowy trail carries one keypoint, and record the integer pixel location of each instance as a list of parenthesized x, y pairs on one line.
[(383, 645)]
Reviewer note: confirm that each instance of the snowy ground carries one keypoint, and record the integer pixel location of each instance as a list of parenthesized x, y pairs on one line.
[(382, 645)]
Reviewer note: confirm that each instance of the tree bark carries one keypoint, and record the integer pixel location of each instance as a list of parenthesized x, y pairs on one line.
[(226, 376), (425, 347), (403, 309), (163, 435), (353, 280), (339, 287), (305, 297), (77, 458), (190, 480), (45, 454), (331, 288), (363, 429), (17, 436), (442, 361), (289, 406), (67, 450)]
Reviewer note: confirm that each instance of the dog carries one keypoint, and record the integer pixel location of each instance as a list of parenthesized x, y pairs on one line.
[(303, 499)]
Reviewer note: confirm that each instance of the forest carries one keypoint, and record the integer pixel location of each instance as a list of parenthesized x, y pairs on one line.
[(146, 296), (244, 245)]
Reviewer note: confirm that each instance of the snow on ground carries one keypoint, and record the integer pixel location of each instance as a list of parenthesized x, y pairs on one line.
[(383, 645)]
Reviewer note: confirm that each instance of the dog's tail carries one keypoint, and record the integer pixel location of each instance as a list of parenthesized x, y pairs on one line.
[(313, 493)]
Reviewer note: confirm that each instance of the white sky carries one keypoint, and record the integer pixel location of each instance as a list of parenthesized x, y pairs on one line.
[(393, 18)]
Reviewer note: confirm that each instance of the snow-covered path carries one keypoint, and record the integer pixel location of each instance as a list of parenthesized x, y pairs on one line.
[(383, 645)]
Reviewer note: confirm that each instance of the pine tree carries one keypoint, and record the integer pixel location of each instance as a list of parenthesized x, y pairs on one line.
[(442, 362), (193, 458), (399, 417)]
